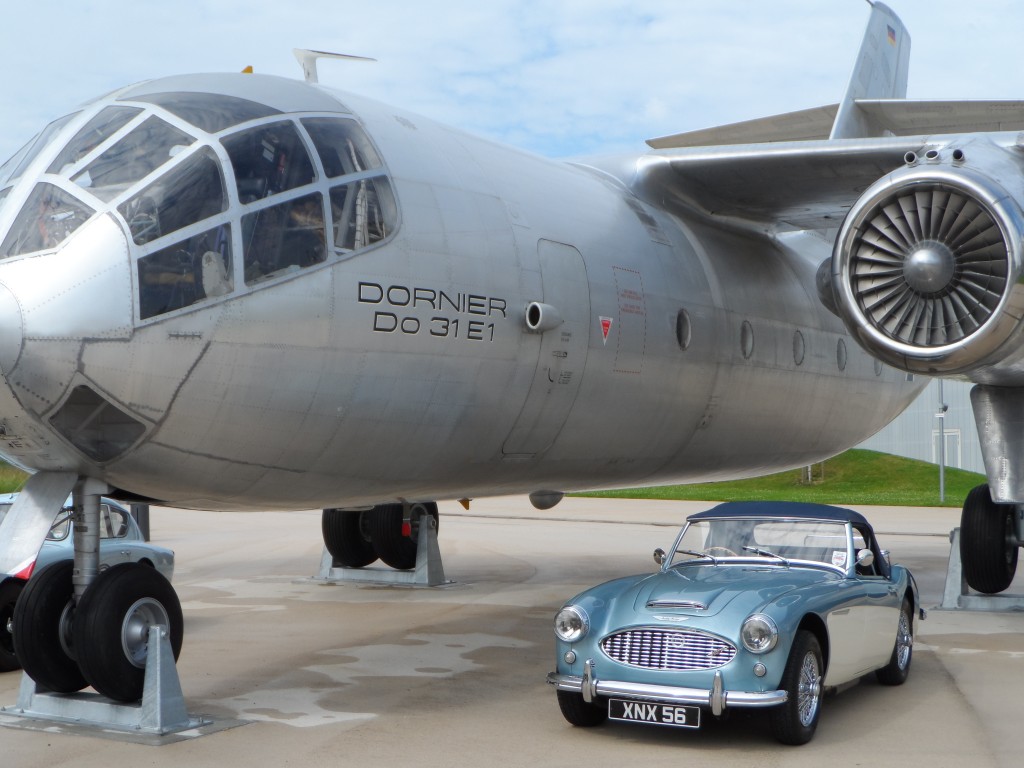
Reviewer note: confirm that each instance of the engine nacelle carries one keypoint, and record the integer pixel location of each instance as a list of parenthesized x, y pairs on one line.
[(927, 266)]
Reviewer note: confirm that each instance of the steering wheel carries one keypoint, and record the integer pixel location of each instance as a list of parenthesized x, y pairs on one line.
[(727, 551)]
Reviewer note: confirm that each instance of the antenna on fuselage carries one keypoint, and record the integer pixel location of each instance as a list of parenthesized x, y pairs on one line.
[(307, 59)]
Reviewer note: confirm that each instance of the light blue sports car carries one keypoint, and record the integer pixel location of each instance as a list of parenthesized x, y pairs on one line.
[(759, 604)]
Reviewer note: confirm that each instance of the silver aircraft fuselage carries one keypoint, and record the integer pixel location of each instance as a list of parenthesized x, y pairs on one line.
[(446, 317)]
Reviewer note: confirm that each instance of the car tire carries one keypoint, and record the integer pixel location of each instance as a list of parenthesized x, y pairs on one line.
[(392, 546), (988, 552), (43, 631), (346, 539), (578, 712), (10, 590), (898, 668), (111, 627), (795, 721)]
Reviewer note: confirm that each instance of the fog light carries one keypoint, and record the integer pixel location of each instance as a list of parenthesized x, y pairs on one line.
[(570, 657), (760, 670)]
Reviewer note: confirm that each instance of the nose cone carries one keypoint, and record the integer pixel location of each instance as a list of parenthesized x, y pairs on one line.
[(12, 332), (81, 291)]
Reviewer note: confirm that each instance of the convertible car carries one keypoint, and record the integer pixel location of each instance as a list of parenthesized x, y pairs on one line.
[(121, 541), (758, 604)]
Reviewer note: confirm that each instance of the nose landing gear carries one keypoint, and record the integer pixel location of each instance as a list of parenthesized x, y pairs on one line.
[(73, 626)]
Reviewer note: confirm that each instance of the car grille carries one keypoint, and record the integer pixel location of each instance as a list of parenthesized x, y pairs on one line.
[(668, 649)]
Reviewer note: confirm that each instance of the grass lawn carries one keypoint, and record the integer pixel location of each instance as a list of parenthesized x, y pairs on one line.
[(854, 477), (11, 478)]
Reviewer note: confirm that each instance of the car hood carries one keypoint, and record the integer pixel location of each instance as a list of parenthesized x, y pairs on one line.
[(708, 590)]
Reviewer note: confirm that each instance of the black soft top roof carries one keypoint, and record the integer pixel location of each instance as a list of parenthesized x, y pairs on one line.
[(791, 509)]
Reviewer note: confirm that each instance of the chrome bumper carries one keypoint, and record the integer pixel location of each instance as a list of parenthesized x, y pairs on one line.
[(716, 699)]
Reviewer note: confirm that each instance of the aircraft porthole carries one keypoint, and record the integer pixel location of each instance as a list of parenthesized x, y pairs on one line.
[(841, 355), (798, 348), (878, 367), (747, 339), (683, 330)]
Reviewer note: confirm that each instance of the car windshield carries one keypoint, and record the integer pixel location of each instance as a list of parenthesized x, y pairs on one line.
[(776, 540), (113, 524)]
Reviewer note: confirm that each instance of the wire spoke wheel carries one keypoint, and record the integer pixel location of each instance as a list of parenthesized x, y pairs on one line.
[(809, 690), (795, 720)]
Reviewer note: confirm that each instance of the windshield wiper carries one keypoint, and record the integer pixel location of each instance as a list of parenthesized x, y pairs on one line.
[(765, 553), (692, 553)]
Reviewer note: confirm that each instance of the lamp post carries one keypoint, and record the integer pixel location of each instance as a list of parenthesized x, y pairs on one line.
[(941, 416)]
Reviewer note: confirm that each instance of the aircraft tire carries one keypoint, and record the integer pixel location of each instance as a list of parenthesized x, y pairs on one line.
[(42, 629), (988, 549), (10, 590), (346, 538), (392, 547), (112, 627)]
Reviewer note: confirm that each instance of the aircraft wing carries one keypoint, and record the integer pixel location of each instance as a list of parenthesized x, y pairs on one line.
[(785, 185), (894, 117)]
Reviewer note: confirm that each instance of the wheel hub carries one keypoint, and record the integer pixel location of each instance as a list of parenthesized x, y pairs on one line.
[(809, 690), (143, 614)]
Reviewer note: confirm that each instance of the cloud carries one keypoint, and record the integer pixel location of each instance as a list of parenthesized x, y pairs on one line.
[(560, 78)]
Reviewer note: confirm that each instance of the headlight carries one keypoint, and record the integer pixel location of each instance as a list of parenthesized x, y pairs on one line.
[(759, 633), (571, 624)]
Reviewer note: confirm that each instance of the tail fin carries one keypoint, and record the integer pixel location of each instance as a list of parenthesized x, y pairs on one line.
[(880, 73)]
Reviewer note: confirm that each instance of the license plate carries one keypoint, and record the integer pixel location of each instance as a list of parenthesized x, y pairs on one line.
[(654, 713)]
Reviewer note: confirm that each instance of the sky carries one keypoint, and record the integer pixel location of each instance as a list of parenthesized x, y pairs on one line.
[(561, 78)]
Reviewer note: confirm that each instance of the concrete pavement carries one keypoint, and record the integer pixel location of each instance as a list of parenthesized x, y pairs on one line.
[(370, 675)]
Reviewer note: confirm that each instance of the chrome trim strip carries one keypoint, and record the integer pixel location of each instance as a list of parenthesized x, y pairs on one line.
[(691, 604), (668, 693)]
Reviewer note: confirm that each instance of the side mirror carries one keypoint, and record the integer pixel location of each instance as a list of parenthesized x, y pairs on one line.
[(866, 558), (659, 556)]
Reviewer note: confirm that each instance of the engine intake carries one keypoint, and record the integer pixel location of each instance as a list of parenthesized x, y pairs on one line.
[(927, 269)]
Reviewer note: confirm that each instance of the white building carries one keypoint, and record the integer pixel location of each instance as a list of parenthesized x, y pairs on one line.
[(916, 432)]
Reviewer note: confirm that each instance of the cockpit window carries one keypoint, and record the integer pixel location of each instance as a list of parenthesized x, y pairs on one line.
[(342, 146), (135, 156), (182, 274), (95, 132), (283, 238), (267, 160), (11, 170), (48, 218), (363, 213), (212, 112), (191, 192)]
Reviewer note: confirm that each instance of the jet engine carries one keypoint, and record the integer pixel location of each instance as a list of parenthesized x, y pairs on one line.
[(927, 266)]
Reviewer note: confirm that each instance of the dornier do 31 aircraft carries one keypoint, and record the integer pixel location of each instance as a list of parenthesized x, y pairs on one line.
[(235, 291)]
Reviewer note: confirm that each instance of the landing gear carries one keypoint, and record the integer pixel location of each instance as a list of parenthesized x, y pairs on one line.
[(43, 630), (357, 538), (10, 590), (73, 626), (111, 627), (347, 537), (395, 544), (988, 542)]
